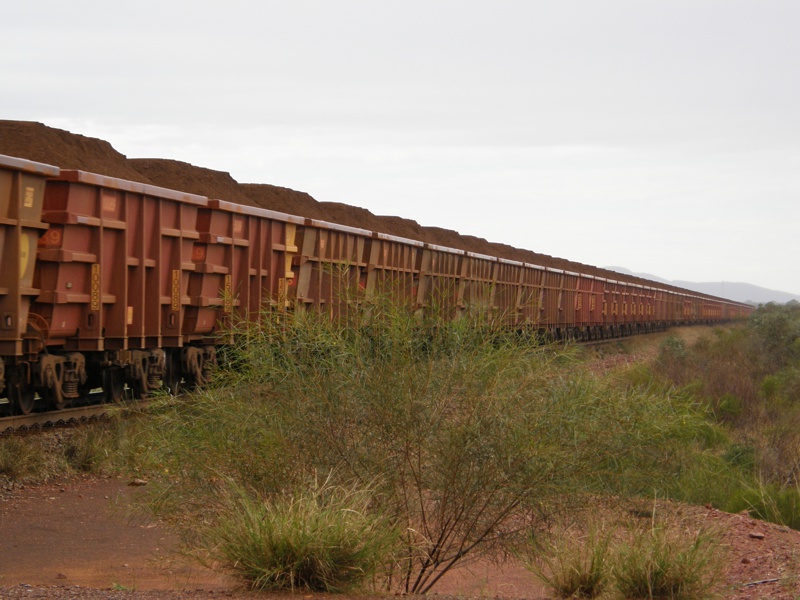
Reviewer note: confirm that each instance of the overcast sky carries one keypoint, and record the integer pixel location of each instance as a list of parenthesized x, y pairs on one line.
[(662, 136)]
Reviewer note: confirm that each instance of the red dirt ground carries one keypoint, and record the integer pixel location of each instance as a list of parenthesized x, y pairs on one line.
[(78, 533)]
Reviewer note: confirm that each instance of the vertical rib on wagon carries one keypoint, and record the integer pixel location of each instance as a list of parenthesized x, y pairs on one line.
[(22, 185), (114, 269)]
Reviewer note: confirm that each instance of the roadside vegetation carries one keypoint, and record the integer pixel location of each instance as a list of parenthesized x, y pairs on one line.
[(110, 447), (381, 450), (463, 438), (660, 558), (748, 380)]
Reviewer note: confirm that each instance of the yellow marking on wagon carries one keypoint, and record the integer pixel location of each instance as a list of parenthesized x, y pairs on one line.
[(176, 290), (227, 298), (95, 287)]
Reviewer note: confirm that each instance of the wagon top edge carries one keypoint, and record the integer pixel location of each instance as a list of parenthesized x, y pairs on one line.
[(79, 176), (29, 166)]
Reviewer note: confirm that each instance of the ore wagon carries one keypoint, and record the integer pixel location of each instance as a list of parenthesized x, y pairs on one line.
[(112, 285)]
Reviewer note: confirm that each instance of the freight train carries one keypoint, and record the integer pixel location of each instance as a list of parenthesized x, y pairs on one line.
[(126, 287)]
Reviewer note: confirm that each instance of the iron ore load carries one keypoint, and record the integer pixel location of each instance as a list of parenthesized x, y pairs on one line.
[(111, 284)]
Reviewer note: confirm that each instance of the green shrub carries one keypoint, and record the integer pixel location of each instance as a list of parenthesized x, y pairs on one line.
[(668, 562), (776, 331), (770, 502), (20, 458), (86, 449), (572, 564), (709, 479), (35, 457), (673, 360), (458, 426), (749, 378), (741, 456), (769, 386), (324, 539)]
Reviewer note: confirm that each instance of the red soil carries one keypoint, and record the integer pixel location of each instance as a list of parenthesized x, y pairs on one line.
[(78, 533)]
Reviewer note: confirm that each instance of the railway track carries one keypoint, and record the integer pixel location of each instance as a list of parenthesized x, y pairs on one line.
[(97, 410), (67, 417)]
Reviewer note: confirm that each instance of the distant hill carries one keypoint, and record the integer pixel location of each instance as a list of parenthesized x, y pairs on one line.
[(739, 292)]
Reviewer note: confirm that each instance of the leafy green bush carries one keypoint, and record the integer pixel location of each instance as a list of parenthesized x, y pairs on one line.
[(776, 335)]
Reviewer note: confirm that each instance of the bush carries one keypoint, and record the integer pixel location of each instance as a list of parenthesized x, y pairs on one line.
[(770, 502), (749, 378), (87, 449), (661, 560), (673, 359), (23, 457), (572, 565), (668, 562), (323, 539), (458, 428)]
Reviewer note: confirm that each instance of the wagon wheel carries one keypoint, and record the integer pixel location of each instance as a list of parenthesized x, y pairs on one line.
[(138, 389), (190, 382), (113, 385), (172, 373), (21, 397), (54, 400), (53, 393), (84, 394)]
